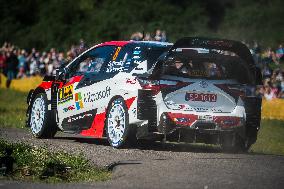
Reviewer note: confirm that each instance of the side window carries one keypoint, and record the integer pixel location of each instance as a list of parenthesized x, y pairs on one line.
[(92, 61), (120, 61), (99, 58)]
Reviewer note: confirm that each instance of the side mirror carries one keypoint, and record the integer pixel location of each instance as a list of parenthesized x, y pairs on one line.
[(60, 73)]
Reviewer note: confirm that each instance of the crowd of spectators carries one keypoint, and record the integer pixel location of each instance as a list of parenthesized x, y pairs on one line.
[(271, 63), (19, 63), (160, 35)]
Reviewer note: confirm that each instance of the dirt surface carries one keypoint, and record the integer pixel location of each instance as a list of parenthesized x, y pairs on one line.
[(156, 165)]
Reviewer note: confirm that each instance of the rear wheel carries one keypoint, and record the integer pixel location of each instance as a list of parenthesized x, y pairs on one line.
[(42, 122), (119, 132)]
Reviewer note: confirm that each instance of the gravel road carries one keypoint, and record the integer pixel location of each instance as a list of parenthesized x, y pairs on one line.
[(160, 166)]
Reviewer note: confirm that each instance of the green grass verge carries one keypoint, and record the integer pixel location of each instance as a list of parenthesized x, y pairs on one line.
[(38, 164), (270, 138), (12, 108)]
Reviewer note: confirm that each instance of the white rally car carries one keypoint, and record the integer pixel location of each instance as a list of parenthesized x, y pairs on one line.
[(197, 89)]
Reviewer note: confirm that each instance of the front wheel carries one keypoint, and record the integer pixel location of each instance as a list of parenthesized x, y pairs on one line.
[(119, 132), (42, 122)]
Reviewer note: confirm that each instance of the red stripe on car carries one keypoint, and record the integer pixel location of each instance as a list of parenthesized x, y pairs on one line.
[(45, 85), (74, 80), (129, 101), (97, 128)]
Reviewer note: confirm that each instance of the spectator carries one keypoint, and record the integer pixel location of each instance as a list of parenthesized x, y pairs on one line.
[(2, 64), (163, 36), (267, 56), (147, 37), (137, 36), (256, 53), (266, 72), (12, 64), (22, 64), (158, 35), (268, 95), (279, 52)]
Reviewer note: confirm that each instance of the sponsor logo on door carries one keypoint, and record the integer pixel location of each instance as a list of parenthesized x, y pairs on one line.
[(65, 94), (78, 101)]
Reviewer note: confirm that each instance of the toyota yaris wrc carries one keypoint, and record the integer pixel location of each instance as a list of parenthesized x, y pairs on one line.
[(196, 90)]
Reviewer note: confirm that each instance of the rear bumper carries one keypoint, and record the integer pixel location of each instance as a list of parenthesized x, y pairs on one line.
[(208, 136), (170, 122)]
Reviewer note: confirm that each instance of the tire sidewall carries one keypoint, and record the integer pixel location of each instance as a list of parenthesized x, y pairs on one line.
[(44, 125), (123, 139)]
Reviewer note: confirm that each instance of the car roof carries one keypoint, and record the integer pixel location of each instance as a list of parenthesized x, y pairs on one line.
[(123, 43)]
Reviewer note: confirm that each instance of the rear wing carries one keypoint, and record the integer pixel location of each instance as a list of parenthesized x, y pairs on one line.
[(221, 44)]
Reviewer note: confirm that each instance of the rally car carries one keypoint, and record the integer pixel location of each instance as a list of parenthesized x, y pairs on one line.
[(196, 90)]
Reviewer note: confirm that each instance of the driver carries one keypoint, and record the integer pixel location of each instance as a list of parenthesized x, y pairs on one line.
[(179, 66)]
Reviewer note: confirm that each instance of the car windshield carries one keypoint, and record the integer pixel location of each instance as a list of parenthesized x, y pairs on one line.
[(213, 65)]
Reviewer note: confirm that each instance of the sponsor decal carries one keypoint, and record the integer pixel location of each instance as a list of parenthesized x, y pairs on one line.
[(78, 101), (92, 97), (131, 81), (203, 84), (198, 73), (65, 94), (82, 116), (69, 108), (134, 110), (137, 61), (116, 53), (200, 109), (115, 66), (136, 52)]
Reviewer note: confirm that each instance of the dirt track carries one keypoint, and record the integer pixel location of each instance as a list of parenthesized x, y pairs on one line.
[(161, 166)]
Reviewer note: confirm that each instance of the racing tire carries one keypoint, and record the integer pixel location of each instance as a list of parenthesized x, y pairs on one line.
[(118, 130), (41, 121)]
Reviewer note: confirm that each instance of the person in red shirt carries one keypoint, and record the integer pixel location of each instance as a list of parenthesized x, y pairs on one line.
[(2, 64)]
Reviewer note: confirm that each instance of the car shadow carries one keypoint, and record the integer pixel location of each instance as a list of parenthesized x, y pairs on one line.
[(148, 145)]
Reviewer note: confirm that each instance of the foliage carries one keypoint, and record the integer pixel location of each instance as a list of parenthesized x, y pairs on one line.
[(34, 163), (59, 23), (270, 138)]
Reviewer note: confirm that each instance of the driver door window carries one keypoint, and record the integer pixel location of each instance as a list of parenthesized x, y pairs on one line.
[(92, 61)]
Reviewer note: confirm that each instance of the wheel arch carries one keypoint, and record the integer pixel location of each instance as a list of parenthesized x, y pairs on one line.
[(37, 91)]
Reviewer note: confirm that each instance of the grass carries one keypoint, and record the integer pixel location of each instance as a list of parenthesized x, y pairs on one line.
[(13, 108), (38, 164), (270, 138)]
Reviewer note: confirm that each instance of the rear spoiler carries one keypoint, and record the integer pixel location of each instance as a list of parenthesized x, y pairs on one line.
[(221, 44)]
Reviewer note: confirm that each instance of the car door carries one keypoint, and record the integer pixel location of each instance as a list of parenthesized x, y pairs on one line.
[(74, 110)]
